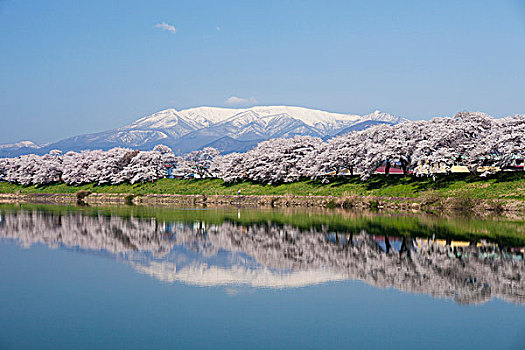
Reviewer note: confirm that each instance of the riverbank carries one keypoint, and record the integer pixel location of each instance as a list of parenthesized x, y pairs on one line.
[(501, 192), (430, 203)]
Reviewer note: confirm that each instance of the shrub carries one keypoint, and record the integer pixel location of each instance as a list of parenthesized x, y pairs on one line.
[(129, 199), (433, 199), (331, 204), (81, 195), (463, 201)]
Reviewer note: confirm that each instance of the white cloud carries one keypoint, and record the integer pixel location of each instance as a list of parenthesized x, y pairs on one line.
[(240, 101), (165, 27), (218, 29)]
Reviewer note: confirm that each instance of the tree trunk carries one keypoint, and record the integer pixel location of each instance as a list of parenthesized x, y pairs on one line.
[(387, 168), (387, 244), (404, 167)]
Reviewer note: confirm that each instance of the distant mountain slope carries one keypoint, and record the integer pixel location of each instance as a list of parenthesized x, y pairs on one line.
[(231, 129), (361, 126), (228, 145)]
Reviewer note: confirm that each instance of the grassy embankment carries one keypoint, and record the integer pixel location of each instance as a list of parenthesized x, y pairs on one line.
[(499, 186)]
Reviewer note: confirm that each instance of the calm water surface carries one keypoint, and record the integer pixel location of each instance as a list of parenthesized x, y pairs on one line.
[(155, 278)]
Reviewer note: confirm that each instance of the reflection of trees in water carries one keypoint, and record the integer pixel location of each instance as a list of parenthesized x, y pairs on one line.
[(466, 273), (111, 233), (419, 266)]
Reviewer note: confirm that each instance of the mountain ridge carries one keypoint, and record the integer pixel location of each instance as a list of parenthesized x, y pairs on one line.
[(193, 128)]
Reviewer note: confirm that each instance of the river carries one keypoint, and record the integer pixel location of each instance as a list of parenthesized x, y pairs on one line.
[(156, 277)]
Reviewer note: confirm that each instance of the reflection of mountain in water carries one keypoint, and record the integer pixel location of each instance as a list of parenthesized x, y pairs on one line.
[(274, 256)]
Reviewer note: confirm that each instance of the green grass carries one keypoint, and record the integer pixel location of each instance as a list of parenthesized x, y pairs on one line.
[(499, 186)]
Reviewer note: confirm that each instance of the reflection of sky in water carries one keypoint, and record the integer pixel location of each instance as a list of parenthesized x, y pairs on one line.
[(55, 298), (113, 282)]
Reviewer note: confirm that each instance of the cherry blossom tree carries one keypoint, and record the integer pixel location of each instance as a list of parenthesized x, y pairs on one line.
[(229, 167), (77, 167), (198, 163), (49, 168), (280, 160)]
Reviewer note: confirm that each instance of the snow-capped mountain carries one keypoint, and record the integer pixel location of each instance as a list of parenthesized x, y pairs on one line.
[(21, 144), (169, 120), (22, 147), (229, 129)]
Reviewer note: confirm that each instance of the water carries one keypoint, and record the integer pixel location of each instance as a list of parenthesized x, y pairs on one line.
[(142, 277)]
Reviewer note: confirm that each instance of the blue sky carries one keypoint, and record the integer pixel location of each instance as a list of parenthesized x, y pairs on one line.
[(71, 67)]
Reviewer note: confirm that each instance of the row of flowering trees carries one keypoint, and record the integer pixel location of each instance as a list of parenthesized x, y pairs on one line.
[(115, 166), (474, 140)]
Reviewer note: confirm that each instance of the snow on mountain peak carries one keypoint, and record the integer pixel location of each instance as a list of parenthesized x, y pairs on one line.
[(381, 116), (163, 119), (212, 114), (206, 116), (310, 117), (27, 144)]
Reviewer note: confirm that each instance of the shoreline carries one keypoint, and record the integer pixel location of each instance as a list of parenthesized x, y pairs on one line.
[(424, 203)]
